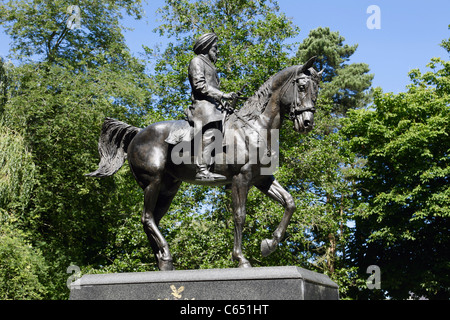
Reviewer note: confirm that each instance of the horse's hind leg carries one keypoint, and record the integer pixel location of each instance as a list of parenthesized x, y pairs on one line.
[(158, 196), (272, 188), (167, 192)]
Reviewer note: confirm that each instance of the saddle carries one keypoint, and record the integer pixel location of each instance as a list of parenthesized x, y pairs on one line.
[(182, 131)]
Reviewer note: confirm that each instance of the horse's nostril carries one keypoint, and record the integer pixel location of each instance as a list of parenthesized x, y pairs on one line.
[(307, 123)]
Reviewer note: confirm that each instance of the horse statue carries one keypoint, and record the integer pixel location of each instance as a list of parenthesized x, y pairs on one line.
[(291, 93)]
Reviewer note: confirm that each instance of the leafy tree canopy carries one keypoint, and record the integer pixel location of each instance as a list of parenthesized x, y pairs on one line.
[(347, 85), (403, 221)]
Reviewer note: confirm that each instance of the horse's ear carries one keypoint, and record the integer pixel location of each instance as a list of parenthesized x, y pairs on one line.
[(320, 73), (308, 64)]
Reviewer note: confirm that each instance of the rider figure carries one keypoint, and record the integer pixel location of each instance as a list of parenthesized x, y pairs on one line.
[(206, 113)]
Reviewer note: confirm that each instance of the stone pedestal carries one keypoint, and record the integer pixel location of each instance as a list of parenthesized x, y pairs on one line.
[(268, 283)]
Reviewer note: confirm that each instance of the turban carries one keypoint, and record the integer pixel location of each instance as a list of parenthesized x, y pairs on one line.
[(204, 42)]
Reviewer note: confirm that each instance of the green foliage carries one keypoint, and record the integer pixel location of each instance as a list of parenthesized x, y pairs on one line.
[(404, 187), (22, 267), (54, 109), (251, 46), (17, 171), (61, 113), (446, 43), (39, 28), (3, 85)]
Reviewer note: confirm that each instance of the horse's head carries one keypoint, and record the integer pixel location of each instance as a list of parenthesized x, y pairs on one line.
[(299, 94)]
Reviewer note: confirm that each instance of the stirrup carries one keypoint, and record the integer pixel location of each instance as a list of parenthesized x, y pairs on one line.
[(206, 175)]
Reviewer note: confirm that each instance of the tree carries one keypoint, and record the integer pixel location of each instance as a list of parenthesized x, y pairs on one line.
[(3, 85), (17, 173), (346, 85), (41, 28), (22, 267), (403, 220), (57, 105)]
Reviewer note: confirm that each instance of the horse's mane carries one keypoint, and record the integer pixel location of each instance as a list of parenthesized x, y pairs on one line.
[(256, 104)]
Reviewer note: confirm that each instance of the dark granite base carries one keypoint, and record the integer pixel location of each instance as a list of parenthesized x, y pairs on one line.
[(269, 283)]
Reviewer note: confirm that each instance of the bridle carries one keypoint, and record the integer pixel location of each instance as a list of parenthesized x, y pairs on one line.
[(294, 108)]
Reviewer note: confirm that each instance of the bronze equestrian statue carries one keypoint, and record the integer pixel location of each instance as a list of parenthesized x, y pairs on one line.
[(153, 154)]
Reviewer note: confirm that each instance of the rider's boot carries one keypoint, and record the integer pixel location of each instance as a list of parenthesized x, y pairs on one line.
[(204, 174), (204, 164)]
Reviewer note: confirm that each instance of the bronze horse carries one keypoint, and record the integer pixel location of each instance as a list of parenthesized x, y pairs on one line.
[(290, 93)]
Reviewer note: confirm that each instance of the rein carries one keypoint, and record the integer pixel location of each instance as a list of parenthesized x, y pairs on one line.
[(232, 110), (294, 107)]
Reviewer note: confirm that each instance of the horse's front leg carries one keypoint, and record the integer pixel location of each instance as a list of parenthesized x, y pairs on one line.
[(239, 192), (274, 190)]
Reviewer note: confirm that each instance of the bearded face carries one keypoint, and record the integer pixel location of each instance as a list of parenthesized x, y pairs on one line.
[(212, 53)]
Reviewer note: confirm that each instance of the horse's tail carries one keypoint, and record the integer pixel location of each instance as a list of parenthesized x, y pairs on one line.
[(112, 147)]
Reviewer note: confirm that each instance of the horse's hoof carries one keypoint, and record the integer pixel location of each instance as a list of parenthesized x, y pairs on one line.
[(245, 264), (166, 265), (267, 247)]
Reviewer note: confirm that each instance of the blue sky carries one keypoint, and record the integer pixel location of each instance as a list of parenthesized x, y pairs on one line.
[(409, 36), (410, 33)]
